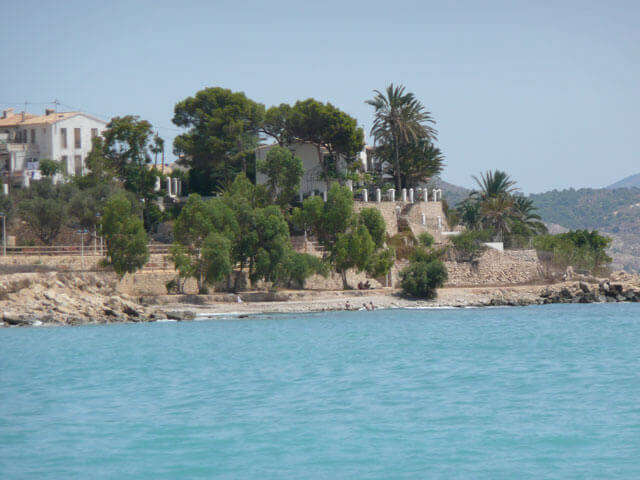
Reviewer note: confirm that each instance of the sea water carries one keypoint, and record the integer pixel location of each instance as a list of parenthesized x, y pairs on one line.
[(533, 392)]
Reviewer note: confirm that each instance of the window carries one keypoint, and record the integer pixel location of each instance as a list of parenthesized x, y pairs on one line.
[(64, 163), (76, 138), (94, 133), (63, 138), (25, 137), (78, 163), (33, 135)]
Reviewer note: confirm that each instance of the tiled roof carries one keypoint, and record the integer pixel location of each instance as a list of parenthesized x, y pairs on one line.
[(16, 119)]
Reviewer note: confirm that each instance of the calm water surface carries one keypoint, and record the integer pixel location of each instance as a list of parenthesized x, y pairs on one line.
[(531, 392)]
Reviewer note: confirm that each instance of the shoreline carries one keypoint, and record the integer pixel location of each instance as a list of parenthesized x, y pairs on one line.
[(66, 299)]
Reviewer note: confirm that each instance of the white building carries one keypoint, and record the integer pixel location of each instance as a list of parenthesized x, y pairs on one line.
[(25, 139), (312, 181)]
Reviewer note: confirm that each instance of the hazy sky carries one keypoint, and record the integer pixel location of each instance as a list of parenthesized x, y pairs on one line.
[(547, 90)]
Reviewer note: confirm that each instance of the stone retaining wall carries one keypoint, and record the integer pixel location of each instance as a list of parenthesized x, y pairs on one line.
[(431, 210), (77, 262), (388, 211), (496, 268)]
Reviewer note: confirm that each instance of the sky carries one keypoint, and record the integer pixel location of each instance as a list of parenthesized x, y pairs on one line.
[(548, 91)]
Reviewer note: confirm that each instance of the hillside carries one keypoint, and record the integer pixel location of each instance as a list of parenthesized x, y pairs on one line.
[(453, 194), (629, 182), (615, 211)]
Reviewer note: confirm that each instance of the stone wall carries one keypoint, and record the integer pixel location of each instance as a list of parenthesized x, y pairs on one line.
[(496, 268), (431, 210), (388, 211), (78, 262)]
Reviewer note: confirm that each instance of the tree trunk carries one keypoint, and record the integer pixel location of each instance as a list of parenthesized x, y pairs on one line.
[(237, 279), (397, 167), (345, 285)]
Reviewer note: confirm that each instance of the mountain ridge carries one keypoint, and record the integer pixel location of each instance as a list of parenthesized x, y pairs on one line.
[(628, 182)]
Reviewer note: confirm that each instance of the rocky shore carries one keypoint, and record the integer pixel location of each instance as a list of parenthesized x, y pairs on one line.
[(54, 298), (69, 298)]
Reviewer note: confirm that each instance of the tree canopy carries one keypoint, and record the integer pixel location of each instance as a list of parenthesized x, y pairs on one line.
[(284, 171), (400, 120), (326, 127), (223, 128), (124, 233)]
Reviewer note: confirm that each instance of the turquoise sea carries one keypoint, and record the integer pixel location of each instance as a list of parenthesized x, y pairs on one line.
[(534, 392)]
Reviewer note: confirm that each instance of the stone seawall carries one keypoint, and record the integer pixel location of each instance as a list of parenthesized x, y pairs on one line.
[(510, 267)]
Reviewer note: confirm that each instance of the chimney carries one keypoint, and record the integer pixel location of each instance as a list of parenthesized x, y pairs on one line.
[(49, 111), (7, 113)]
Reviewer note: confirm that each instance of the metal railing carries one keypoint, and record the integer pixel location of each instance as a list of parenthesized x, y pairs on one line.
[(87, 250)]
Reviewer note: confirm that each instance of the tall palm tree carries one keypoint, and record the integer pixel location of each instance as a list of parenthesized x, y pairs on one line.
[(157, 146), (498, 213), (399, 118), (495, 183)]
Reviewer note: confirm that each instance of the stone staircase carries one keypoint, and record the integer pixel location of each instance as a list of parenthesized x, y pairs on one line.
[(403, 219)]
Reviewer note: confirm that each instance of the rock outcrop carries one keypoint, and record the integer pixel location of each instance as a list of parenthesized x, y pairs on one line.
[(68, 299)]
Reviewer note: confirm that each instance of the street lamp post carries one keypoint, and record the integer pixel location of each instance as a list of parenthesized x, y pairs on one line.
[(82, 232), (4, 233), (96, 233)]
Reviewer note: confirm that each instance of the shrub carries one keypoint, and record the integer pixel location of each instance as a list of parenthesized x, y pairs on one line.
[(425, 239), (468, 245), (578, 248), (422, 278), (403, 243)]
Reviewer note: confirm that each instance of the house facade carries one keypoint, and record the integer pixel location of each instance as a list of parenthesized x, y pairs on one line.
[(312, 182), (25, 139)]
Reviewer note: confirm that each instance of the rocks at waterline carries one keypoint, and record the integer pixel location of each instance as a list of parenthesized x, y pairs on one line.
[(67, 298)]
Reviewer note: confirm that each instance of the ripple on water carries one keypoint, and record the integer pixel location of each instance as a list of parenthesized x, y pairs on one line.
[(529, 392)]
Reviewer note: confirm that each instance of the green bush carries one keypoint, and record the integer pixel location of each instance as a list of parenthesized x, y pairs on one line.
[(426, 239), (422, 278), (578, 248), (404, 244), (468, 244)]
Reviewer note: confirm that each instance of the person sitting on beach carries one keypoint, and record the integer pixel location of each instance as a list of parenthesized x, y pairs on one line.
[(364, 305), (371, 306), (367, 285), (347, 306)]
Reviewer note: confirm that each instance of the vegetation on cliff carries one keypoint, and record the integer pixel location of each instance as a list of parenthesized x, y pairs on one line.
[(426, 271)]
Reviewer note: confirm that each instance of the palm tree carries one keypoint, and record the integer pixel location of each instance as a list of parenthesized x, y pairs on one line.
[(498, 213), (399, 119), (469, 213), (157, 146), (524, 210), (495, 183)]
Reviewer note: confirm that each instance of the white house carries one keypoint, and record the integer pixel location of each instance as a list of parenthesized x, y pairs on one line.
[(312, 181), (25, 139)]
